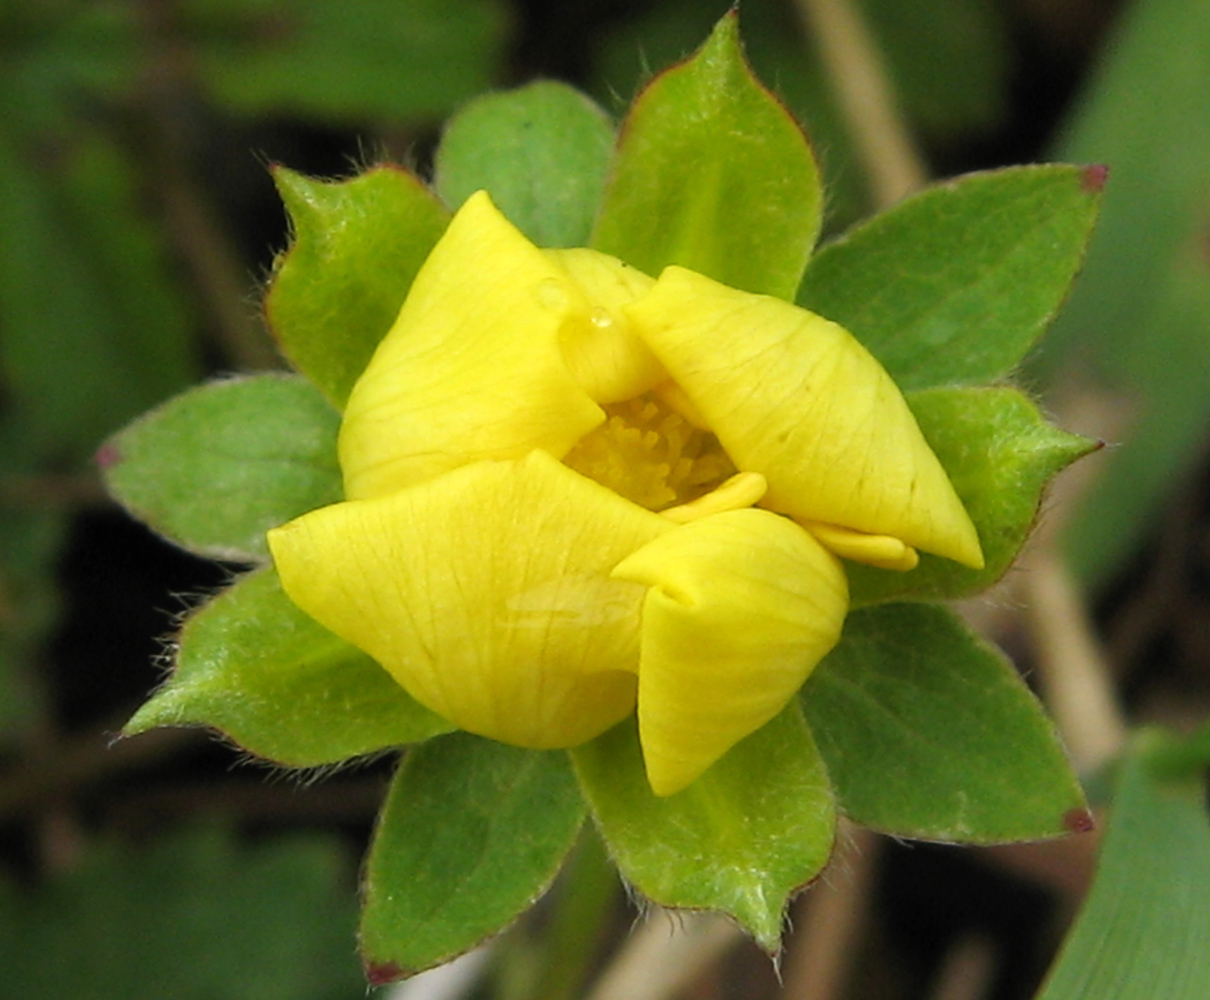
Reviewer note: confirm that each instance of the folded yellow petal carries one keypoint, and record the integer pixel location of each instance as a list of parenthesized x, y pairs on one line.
[(604, 355), (742, 606), (486, 593), (798, 399), (741, 490), (473, 368), (874, 550)]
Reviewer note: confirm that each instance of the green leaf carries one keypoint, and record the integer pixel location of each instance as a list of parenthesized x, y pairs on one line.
[(929, 732), (758, 825), (1144, 930), (541, 152), (714, 174), (393, 59), (216, 467), (1000, 453), (954, 285), (357, 246), (472, 834), (255, 667), (1135, 330), (197, 916)]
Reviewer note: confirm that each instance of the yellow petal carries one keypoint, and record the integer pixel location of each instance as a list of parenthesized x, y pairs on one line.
[(472, 368), (605, 356), (486, 594), (742, 606), (798, 399)]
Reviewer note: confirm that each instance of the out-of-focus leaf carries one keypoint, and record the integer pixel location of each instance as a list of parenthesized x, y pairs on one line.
[(714, 174), (928, 732), (948, 60), (196, 917), (93, 330), (52, 53), (216, 467), (253, 666), (758, 825), (954, 285), (541, 152), (1144, 930), (1139, 317), (394, 59), (472, 834), (357, 246), (30, 542), (1000, 453)]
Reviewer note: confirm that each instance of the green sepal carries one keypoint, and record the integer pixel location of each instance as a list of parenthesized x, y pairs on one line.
[(214, 468), (541, 151), (1144, 929), (714, 174), (357, 246), (472, 833), (253, 666), (742, 838), (999, 452), (953, 286), (928, 732)]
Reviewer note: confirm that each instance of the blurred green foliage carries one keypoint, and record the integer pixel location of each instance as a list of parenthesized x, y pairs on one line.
[(196, 916), (1138, 323), (1144, 931), (116, 280), (105, 304)]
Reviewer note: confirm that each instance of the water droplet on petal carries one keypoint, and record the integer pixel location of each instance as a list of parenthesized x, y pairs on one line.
[(601, 318)]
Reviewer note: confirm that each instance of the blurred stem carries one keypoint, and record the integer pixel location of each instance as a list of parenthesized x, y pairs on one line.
[(213, 261), (825, 942), (52, 491), (216, 272), (1072, 669), (665, 955), (582, 908), (867, 98), (968, 969), (59, 768)]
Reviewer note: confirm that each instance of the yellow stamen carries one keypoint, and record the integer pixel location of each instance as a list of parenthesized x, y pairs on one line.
[(649, 454)]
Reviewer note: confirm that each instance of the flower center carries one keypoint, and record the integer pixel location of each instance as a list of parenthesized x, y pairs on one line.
[(651, 455)]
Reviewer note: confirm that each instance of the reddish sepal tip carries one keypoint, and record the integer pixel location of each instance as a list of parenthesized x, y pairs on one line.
[(381, 973), (107, 456), (1079, 821), (1094, 177)]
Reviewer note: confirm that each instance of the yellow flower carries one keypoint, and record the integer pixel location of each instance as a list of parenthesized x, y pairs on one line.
[(573, 489)]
